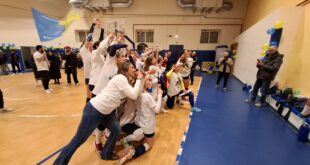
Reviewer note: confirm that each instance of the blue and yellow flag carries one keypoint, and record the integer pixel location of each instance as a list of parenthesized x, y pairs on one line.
[(50, 28)]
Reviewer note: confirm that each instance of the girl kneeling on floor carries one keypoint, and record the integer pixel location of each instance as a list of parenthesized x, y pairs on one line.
[(176, 89), (145, 122)]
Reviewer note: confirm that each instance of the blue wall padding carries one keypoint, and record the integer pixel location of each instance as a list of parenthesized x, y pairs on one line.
[(205, 55), (276, 37)]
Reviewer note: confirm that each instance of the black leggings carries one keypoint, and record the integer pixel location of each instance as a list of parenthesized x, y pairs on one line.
[(219, 78), (192, 76), (13, 67)]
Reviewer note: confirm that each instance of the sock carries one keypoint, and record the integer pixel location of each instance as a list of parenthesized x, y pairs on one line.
[(136, 136), (141, 149), (98, 136)]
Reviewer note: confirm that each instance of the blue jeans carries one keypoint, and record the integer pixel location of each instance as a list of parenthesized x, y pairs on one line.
[(90, 120)]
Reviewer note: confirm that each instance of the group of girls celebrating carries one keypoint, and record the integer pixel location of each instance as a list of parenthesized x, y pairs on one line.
[(124, 96)]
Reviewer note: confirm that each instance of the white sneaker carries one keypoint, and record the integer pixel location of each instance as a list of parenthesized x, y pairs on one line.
[(164, 110), (6, 109), (50, 89), (258, 105), (47, 91)]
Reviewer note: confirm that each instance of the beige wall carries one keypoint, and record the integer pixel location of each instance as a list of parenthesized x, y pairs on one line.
[(258, 9), (295, 69), (143, 13)]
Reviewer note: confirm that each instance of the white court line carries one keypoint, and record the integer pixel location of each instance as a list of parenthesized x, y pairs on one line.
[(47, 116), (5, 89), (179, 154), (18, 99)]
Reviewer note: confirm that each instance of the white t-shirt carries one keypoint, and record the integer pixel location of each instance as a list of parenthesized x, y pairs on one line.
[(97, 60), (86, 57), (41, 61), (108, 71), (156, 75), (115, 93), (147, 107), (128, 116), (175, 84), (139, 64), (185, 69)]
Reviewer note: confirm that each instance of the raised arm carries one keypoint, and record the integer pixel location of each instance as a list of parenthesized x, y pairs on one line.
[(133, 92), (157, 107), (103, 46)]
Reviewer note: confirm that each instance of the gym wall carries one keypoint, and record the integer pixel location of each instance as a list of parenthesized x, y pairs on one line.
[(165, 17), (294, 42)]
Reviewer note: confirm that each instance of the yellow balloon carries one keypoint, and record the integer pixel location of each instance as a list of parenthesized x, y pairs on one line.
[(278, 25), (263, 54), (265, 47)]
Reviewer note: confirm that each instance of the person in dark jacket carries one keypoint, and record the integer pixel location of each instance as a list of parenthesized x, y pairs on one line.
[(55, 63), (3, 59), (267, 71), (71, 65), (14, 61)]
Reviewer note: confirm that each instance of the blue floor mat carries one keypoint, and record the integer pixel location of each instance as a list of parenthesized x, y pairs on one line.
[(231, 132)]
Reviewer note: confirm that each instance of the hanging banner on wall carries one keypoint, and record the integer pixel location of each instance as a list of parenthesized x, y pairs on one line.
[(50, 28)]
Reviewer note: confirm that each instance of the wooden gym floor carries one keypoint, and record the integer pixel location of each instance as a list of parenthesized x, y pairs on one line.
[(43, 123)]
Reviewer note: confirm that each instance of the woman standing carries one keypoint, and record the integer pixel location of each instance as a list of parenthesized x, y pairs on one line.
[(99, 110), (55, 63), (225, 63)]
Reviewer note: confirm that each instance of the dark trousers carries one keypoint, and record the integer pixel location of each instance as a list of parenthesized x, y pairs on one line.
[(74, 75), (44, 75), (220, 76), (1, 100), (192, 76), (264, 85), (90, 120), (13, 67), (171, 100)]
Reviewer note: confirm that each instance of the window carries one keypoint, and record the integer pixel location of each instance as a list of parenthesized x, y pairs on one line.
[(143, 35), (209, 36), (81, 35)]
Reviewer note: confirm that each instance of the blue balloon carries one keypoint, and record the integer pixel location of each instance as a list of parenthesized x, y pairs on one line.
[(270, 31)]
